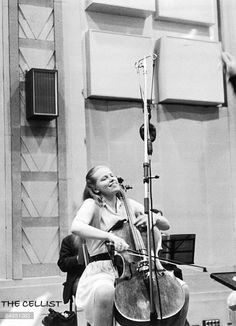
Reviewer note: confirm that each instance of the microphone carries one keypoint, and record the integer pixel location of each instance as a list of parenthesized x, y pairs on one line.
[(152, 132)]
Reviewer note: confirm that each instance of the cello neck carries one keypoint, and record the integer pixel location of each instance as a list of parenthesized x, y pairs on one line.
[(138, 241)]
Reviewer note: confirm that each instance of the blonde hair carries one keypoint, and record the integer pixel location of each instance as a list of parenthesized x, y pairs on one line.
[(90, 184)]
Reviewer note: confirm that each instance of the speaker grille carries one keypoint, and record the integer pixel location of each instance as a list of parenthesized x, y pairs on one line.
[(41, 94)]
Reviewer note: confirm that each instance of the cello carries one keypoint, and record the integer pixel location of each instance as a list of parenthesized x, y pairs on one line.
[(132, 288)]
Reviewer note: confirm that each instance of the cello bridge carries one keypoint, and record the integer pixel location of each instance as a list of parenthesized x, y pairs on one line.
[(143, 266)]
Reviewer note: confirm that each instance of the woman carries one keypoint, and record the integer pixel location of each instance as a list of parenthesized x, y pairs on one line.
[(101, 210)]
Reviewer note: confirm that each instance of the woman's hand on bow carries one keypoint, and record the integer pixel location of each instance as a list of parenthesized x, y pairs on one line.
[(119, 243)]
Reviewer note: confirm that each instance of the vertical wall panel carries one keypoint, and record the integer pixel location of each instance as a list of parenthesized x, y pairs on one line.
[(5, 157), (2, 154), (15, 141), (36, 149)]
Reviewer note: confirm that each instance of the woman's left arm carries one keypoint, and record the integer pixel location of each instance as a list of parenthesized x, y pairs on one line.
[(141, 219)]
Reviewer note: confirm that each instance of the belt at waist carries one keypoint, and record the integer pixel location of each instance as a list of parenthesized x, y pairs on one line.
[(103, 256)]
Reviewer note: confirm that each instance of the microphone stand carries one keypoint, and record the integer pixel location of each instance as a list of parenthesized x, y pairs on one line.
[(142, 63)]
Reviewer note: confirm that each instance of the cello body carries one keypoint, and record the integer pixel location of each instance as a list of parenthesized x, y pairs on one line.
[(132, 293), (132, 289)]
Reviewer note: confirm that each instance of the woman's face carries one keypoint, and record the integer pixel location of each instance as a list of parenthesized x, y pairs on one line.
[(106, 182)]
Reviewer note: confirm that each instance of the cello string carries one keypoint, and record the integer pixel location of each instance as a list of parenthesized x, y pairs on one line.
[(139, 245)]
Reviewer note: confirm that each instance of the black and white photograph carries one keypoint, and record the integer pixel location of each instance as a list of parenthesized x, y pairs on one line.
[(118, 162)]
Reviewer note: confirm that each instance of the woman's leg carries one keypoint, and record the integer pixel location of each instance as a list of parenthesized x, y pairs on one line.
[(103, 307)]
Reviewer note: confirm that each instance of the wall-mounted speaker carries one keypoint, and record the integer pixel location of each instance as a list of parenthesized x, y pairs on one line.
[(41, 94)]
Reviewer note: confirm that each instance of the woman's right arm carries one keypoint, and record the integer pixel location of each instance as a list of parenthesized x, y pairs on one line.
[(83, 218), (87, 231)]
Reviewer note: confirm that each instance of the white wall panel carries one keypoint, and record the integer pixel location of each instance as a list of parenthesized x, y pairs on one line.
[(193, 11), (189, 71), (111, 71), (137, 8)]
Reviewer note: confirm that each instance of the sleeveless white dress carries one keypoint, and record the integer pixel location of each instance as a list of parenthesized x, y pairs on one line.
[(98, 273)]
